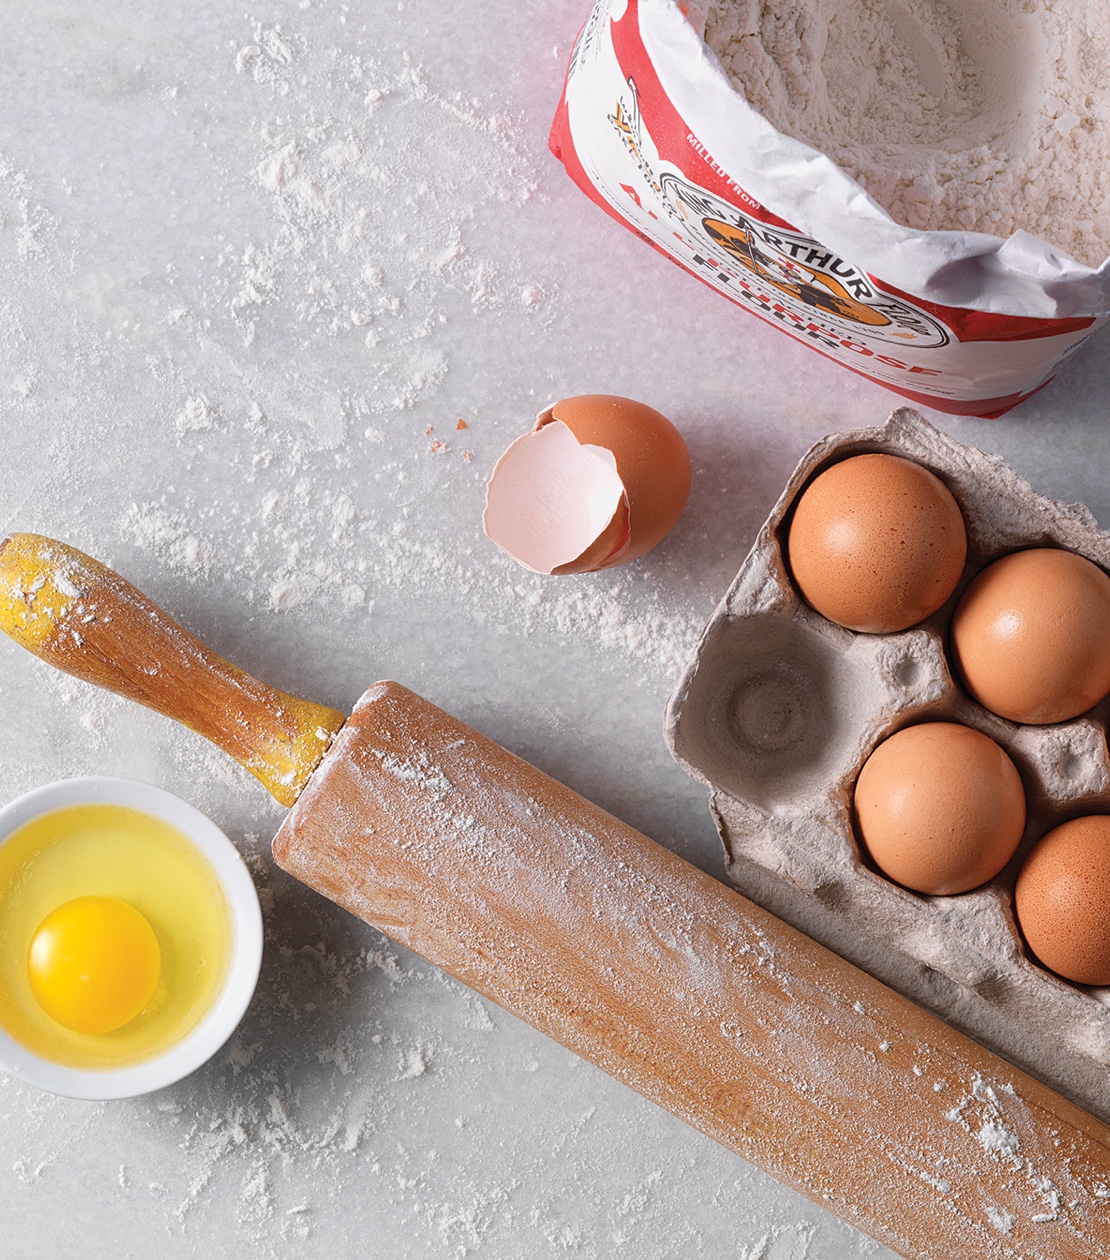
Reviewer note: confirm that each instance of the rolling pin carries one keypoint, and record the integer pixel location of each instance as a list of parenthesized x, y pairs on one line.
[(609, 943)]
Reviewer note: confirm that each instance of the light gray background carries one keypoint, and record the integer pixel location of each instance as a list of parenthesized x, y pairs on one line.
[(248, 258)]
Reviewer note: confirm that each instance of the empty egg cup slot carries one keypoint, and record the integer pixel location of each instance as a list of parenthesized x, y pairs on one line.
[(772, 716)]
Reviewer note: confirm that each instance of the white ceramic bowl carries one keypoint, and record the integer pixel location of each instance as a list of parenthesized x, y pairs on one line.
[(197, 1046)]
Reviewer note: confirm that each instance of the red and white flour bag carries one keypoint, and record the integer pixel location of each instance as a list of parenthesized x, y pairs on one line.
[(651, 128)]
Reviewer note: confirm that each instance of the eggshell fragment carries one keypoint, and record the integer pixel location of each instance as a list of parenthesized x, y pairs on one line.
[(1031, 636), (1062, 900), (877, 543), (598, 482), (940, 808)]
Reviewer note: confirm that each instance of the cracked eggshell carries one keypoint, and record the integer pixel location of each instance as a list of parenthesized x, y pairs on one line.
[(779, 708), (598, 482)]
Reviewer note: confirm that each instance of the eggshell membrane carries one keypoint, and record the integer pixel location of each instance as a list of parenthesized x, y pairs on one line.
[(940, 808), (651, 458), (1062, 900), (1031, 636), (556, 505), (877, 543)]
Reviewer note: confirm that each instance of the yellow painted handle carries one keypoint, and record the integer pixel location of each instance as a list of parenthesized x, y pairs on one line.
[(81, 617)]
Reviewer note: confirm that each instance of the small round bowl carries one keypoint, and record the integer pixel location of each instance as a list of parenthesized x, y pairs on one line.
[(244, 963)]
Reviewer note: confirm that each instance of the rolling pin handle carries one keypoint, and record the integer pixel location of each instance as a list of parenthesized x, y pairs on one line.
[(84, 619)]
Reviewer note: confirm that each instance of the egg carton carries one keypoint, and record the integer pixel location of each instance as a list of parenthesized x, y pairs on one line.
[(778, 709)]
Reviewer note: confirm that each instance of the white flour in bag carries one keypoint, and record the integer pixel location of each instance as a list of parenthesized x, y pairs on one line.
[(977, 115)]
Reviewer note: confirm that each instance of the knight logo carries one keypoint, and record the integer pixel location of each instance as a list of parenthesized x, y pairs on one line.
[(804, 275)]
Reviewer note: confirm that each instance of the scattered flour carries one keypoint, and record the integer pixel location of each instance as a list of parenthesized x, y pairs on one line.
[(1002, 1220), (997, 1138), (34, 226), (169, 537), (414, 1063), (365, 246), (357, 553), (974, 115), (196, 415)]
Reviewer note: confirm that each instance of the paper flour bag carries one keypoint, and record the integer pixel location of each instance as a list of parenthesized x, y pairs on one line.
[(651, 128)]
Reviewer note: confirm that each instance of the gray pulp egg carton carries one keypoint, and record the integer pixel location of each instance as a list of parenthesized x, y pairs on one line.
[(778, 709)]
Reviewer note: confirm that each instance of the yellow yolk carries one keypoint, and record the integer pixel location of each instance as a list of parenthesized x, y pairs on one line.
[(115, 936), (94, 964)]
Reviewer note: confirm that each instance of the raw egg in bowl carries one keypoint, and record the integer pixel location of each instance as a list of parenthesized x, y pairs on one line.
[(130, 938)]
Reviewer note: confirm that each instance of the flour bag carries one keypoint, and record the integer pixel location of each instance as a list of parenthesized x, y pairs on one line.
[(651, 127)]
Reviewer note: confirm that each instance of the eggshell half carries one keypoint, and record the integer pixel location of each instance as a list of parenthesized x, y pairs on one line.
[(598, 482), (552, 502), (940, 808), (1031, 636), (1062, 900)]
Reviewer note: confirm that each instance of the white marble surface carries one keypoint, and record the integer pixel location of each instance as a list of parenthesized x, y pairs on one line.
[(246, 261)]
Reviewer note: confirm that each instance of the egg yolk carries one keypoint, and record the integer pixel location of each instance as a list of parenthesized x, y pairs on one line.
[(93, 964)]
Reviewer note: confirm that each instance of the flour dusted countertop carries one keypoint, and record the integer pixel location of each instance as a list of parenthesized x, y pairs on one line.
[(255, 266)]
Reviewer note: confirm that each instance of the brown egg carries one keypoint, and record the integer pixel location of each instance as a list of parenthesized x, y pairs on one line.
[(598, 482), (877, 543), (1062, 900), (940, 808), (1031, 636)]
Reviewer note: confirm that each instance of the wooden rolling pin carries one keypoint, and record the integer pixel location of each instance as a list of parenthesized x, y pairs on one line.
[(604, 940)]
